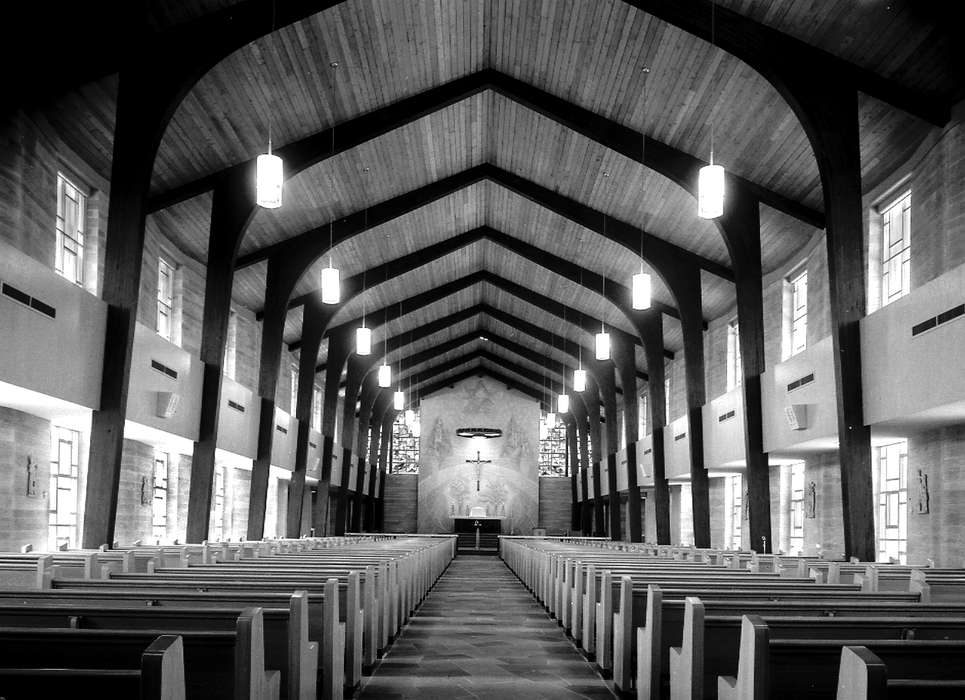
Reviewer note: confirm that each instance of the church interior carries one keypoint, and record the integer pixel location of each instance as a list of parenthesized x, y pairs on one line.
[(482, 348)]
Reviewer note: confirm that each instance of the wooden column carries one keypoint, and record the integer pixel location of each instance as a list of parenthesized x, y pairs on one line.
[(384, 448), (578, 410), (741, 226), (316, 317), (606, 378), (624, 359), (143, 100), (689, 301), (370, 392), (277, 291), (833, 128), (340, 344), (353, 381), (573, 462), (378, 413), (231, 210), (651, 332)]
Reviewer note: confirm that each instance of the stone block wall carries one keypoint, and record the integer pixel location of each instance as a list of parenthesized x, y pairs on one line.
[(135, 495), (23, 519)]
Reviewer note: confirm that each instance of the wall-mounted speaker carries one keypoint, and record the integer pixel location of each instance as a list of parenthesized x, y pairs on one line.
[(797, 416), (167, 403)]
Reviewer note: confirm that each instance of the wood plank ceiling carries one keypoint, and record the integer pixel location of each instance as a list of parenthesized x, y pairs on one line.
[(588, 52)]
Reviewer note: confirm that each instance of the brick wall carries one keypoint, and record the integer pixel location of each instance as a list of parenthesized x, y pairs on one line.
[(555, 502), (401, 502), (134, 517), (23, 518)]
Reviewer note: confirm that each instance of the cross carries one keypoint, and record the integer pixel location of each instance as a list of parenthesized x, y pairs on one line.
[(478, 462)]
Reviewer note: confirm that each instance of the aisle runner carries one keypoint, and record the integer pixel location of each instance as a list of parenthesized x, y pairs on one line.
[(480, 634)]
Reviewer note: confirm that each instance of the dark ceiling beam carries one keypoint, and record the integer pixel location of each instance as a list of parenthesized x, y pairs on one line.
[(317, 147), (772, 53), (311, 244), (320, 146), (379, 317), (476, 371), (314, 242), (618, 294), (651, 153), (631, 237)]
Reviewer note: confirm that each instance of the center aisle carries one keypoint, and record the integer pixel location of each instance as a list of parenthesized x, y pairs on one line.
[(481, 634)]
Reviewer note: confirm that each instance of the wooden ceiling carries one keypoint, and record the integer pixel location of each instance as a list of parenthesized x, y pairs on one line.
[(590, 53)]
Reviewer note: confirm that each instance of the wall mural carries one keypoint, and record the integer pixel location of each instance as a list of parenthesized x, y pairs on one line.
[(457, 474)]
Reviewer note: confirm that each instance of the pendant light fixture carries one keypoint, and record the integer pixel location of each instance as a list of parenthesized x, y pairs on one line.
[(710, 179), (385, 375), (363, 335), (331, 293), (641, 287), (603, 338), (563, 403), (398, 400), (269, 169), (543, 431), (409, 417), (550, 419), (579, 379)]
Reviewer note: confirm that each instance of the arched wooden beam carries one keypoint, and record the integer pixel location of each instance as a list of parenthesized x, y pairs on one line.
[(775, 54), (317, 147)]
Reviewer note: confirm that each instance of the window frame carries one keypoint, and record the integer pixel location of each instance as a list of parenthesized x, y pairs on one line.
[(62, 517), (735, 373), (551, 461), (798, 317), (165, 300), (64, 237), (159, 502), (891, 256)]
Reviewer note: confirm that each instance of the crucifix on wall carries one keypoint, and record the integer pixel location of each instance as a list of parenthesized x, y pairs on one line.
[(479, 461), (477, 434)]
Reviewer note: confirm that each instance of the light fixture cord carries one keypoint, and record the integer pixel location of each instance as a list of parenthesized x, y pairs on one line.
[(334, 79), (713, 42)]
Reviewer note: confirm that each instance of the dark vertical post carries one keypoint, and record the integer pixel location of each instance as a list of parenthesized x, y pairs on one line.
[(833, 128), (353, 381), (573, 462), (689, 303), (144, 103), (339, 346), (651, 332), (277, 291), (231, 209), (378, 412), (370, 392), (742, 229), (606, 379), (313, 326), (387, 420), (623, 357)]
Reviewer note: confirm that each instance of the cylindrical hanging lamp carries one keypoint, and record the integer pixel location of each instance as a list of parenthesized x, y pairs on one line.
[(641, 291), (579, 380), (563, 403), (550, 419), (409, 417), (398, 400), (603, 345), (269, 178), (710, 191), (543, 431), (385, 376), (331, 294), (363, 341)]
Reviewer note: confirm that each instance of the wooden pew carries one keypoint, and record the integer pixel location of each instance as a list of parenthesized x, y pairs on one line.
[(630, 608), (160, 676), (216, 664), (808, 668), (345, 596), (863, 675), (287, 648), (679, 626), (937, 586)]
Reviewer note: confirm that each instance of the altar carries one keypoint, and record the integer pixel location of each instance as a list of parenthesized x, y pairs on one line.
[(486, 526)]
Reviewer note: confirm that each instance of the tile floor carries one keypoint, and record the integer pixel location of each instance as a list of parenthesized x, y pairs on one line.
[(481, 634)]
